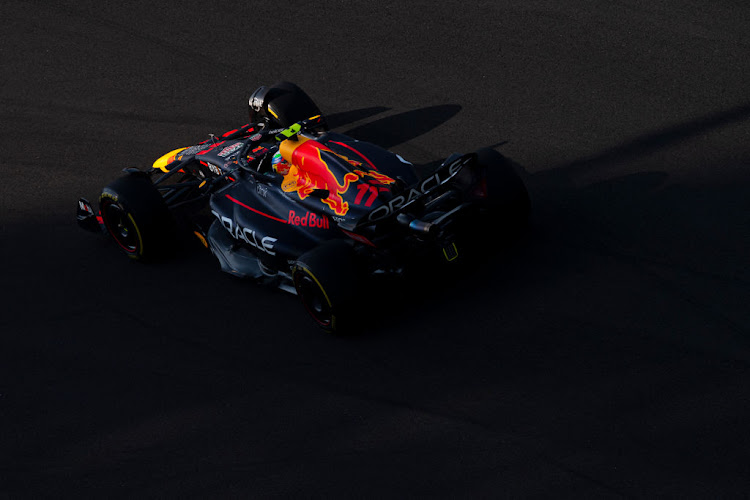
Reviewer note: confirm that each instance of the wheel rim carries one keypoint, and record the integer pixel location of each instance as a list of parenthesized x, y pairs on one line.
[(314, 299), (120, 225)]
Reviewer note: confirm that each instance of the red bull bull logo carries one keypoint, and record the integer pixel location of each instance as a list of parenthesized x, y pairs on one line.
[(308, 171), (376, 176)]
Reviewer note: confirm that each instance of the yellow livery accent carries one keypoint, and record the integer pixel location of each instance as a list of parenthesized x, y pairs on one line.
[(165, 160), (138, 255), (201, 238), (450, 252), (288, 146)]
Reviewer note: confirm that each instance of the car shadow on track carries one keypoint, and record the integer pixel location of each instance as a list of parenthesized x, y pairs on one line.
[(685, 237), (400, 128)]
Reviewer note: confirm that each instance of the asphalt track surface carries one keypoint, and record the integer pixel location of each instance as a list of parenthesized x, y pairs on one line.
[(607, 354)]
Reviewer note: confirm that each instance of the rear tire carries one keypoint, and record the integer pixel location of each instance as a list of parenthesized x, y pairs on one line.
[(325, 280), (506, 196), (137, 218)]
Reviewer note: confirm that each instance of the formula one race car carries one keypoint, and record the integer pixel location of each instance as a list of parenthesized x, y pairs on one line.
[(286, 202)]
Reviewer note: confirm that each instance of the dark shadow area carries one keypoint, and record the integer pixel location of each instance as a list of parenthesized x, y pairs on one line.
[(682, 236), (400, 128), (512, 335)]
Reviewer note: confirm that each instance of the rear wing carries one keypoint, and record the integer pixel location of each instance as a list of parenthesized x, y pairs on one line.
[(449, 169)]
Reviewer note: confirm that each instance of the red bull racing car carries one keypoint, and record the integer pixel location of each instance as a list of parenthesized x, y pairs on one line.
[(284, 201)]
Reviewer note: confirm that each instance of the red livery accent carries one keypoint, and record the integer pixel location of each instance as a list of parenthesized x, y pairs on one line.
[(210, 147), (372, 165), (238, 202), (358, 237)]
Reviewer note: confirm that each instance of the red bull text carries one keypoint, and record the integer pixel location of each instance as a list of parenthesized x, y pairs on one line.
[(310, 219)]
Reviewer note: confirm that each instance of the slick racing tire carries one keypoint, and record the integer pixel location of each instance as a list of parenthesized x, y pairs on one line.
[(325, 280), (506, 197), (284, 104), (137, 218)]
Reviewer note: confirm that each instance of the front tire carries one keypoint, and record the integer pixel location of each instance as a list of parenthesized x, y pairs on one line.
[(137, 218)]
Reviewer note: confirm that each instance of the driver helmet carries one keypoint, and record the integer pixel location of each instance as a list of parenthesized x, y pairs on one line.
[(256, 104), (279, 164)]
